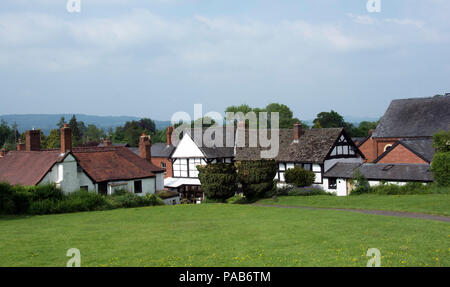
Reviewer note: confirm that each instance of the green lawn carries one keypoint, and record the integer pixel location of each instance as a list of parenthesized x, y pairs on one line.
[(222, 235), (438, 204)]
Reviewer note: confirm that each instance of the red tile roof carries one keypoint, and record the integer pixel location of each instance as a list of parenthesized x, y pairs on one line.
[(27, 167), (113, 163), (99, 163)]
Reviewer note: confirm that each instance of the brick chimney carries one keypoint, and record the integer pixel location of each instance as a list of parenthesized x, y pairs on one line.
[(2, 152), (241, 125), (298, 131), (145, 147), (33, 140), (370, 132), (107, 142), (169, 135), (66, 139), (20, 145)]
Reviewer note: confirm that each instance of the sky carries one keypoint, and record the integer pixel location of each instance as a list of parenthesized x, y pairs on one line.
[(156, 57)]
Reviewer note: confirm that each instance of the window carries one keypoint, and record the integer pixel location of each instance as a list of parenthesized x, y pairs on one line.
[(163, 166), (332, 184), (84, 187), (386, 147), (193, 162), (138, 186)]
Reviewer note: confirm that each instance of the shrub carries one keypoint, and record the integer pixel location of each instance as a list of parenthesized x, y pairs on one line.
[(6, 198), (40, 207), (257, 177), (153, 200), (218, 180), (299, 177), (308, 192), (362, 185), (42, 192), (22, 200), (440, 167), (237, 199), (441, 141)]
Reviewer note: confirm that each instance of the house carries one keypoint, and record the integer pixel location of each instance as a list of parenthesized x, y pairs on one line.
[(161, 153), (338, 179), (99, 169), (198, 146), (407, 119), (316, 150), (414, 150)]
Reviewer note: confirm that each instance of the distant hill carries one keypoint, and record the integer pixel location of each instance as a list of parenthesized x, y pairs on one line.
[(47, 122), (349, 119)]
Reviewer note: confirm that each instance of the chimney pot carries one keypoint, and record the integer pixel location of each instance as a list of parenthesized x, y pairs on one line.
[(298, 131), (33, 140), (370, 132), (66, 139), (145, 147), (107, 142), (20, 145)]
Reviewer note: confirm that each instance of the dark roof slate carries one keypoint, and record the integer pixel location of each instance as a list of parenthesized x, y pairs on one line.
[(389, 172), (207, 142), (419, 117), (312, 147), (158, 150)]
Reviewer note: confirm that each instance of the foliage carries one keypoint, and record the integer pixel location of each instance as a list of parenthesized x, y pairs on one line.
[(257, 177), (360, 182), (8, 135), (441, 141), (334, 120), (286, 118), (407, 189), (440, 167), (237, 199), (299, 177), (218, 180), (308, 192), (48, 199)]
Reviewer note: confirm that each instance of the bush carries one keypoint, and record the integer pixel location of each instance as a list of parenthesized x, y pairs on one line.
[(129, 200), (22, 201), (299, 177), (440, 167), (218, 180), (308, 192), (6, 198), (237, 199), (257, 177), (40, 207), (362, 185), (42, 192)]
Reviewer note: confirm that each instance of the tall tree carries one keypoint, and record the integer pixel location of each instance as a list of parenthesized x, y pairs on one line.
[(329, 120)]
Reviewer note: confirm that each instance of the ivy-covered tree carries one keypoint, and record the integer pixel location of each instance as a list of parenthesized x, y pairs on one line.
[(257, 177), (218, 180)]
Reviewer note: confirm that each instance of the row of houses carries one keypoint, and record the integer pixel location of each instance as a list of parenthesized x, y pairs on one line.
[(398, 151)]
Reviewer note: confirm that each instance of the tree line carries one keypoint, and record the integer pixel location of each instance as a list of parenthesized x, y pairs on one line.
[(130, 132)]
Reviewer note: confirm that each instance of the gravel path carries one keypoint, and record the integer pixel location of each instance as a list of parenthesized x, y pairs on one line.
[(367, 211)]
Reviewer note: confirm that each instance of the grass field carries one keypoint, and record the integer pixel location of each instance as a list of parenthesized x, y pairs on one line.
[(222, 235), (438, 204)]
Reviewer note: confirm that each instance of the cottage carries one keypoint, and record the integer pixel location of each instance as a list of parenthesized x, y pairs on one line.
[(417, 118), (197, 147), (338, 178), (99, 169), (316, 150)]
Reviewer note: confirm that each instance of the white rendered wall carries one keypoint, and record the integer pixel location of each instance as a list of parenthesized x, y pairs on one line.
[(187, 148)]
